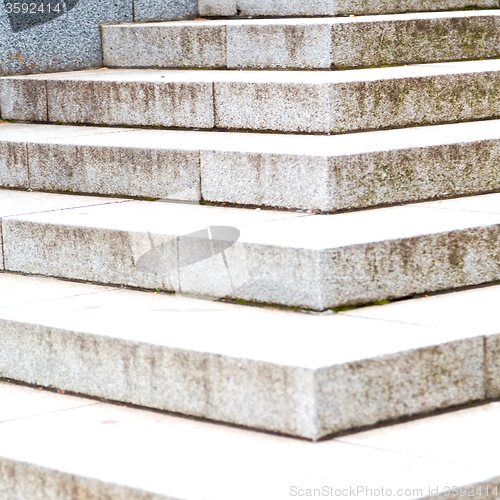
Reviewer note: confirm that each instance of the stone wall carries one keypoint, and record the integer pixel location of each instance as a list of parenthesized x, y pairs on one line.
[(60, 35)]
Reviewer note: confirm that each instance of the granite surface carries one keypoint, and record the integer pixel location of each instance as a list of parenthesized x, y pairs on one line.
[(63, 35)]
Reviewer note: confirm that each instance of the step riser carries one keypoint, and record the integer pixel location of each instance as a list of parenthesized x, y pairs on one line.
[(184, 165), (284, 8), (312, 280), (330, 262), (300, 104), (143, 358), (282, 398), (351, 43)]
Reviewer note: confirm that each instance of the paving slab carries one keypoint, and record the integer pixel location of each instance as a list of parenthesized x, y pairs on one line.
[(293, 259), (226, 362), (305, 101), (322, 43), (119, 453), (309, 172)]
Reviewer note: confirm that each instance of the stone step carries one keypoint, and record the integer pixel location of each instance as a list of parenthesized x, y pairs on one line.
[(293, 259), (322, 43), (308, 172), (301, 101), (75, 446), (298, 374), (308, 8)]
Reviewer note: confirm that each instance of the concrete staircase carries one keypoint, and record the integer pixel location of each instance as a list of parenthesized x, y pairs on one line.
[(194, 241)]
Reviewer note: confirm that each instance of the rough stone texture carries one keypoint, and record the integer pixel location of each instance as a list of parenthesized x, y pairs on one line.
[(330, 260), (303, 172), (279, 179), (127, 463), (126, 164), (359, 99), (271, 44), (13, 165), (135, 246), (415, 38), (151, 10), (135, 98), (316, 101), (120, 345), (388, 381), (196, 44), (345, 7), (350, 42), (18, 202), (71, 41), (24, 99), (217, 7)]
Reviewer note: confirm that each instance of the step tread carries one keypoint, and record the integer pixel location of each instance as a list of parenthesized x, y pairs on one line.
[(335, 172), (163, 76), (310, 43), (293, 101), (333, 260), (127, 346), (127, 453)]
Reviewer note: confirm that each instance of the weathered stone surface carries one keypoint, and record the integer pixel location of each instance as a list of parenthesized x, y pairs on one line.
[(152, 10), (127, 164), (331, 260), (316, 101), (18, 202), (194, 44), (131, 98), (292, 171), (415, 38), (24, 99), (63, 42), (358, 100), (324, 43), (13, 165), (342, 7), (82, 344), (128, 439)]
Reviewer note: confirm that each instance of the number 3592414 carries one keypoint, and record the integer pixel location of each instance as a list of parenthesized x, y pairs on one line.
[(32, 8)]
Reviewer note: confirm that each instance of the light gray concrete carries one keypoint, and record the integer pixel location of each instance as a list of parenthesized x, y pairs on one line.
[(119, 453), (137, 163), (286, 8), (290, 171), (315, 101), (19, 202), (331, 260), (121, 97), (190, 356), (357, 100), (193, 44), (323, 43)]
